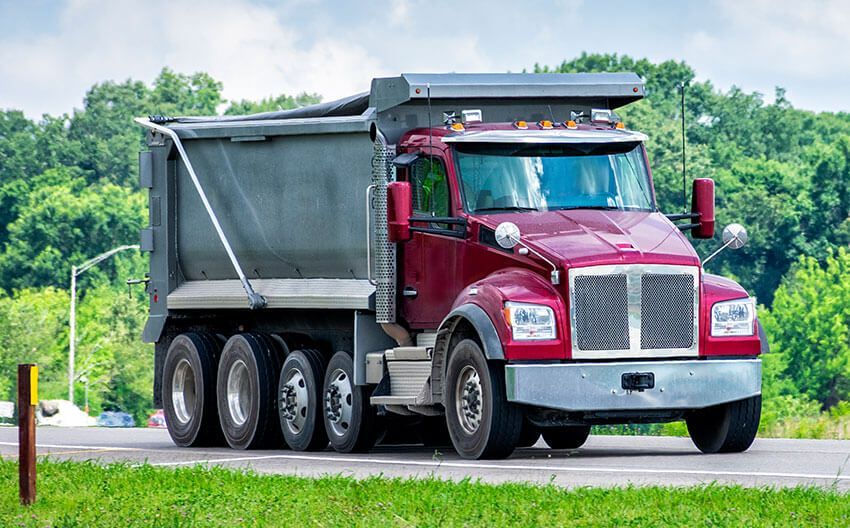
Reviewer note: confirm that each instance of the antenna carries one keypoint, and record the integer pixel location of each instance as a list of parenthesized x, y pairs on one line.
[(430, 134), (684, 156)]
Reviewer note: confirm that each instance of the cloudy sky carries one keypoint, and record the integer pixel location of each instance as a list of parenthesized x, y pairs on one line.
[(52, 51)]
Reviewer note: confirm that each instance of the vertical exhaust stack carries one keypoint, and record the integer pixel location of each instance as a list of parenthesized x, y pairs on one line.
[(383, 172), (384, 274)]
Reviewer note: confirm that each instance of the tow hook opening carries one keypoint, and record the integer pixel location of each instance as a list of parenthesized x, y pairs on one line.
[(638, 381)]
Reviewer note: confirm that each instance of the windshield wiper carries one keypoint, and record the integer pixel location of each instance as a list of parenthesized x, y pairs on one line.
[(594, 207), (506, 208)]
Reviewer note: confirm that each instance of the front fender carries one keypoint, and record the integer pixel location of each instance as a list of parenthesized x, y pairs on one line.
[(489, 295), (716, 289)]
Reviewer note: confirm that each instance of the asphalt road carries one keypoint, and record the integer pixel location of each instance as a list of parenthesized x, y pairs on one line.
[(603, 461)]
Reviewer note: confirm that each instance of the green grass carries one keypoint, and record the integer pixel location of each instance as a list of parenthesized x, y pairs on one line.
[(73, 494)]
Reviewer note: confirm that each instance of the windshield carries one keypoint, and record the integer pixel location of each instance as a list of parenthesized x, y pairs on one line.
[(502, 178)]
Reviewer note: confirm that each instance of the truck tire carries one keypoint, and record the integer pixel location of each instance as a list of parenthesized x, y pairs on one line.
[(482, 422), (300, 401), (350, 421), (188, 391), (566, 437), (529, 436), (246, 392), (727, 428)]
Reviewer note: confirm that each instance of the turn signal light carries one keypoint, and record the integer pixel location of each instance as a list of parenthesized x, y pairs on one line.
[(571, 125), (522, 125)]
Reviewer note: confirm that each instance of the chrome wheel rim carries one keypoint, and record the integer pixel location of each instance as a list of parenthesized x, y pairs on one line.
[(339, 400), (294, 398), (468, 402), (238, 392), (183, 391)]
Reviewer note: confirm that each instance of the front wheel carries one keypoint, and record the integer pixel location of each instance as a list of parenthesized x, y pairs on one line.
[(727, 428), (482, 422)]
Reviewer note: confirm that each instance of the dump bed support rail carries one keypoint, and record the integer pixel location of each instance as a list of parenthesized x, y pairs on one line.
[(255, 300)]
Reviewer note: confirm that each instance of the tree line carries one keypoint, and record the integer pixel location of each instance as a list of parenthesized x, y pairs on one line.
[(69, 190)]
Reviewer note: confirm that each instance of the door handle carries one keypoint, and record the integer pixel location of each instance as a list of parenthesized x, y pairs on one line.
[(410, 292)]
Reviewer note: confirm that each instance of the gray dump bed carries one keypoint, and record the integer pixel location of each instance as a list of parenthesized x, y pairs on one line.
[(289, 187)]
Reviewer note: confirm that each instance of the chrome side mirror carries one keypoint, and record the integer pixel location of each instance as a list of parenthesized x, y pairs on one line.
[(507, 235), (735, 236)]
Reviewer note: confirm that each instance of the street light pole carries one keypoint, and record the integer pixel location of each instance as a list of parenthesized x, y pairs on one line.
[(75, 272), (73, 341)]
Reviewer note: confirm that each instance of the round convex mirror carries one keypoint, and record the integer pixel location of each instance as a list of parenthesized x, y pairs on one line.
[(735, 235), (507, 235)]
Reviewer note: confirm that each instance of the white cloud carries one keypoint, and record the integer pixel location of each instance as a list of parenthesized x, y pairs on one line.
[(258, 49), (798, 45), (247, 47)]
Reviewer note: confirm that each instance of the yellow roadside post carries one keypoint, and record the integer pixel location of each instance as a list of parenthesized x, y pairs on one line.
[(27, 400)]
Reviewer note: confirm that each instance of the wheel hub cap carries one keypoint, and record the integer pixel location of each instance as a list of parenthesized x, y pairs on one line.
[(238, 392), (468, 401), (338, 403), (294, 398), (183, 391)]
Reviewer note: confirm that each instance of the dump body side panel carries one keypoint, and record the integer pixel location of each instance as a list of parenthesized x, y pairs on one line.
[(291, 206)]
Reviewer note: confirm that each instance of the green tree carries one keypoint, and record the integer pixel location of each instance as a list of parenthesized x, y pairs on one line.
[(809, 325), (271, 104), (34, 329), (66, 222)]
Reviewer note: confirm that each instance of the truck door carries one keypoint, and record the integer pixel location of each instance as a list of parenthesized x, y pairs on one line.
[(429, 280)]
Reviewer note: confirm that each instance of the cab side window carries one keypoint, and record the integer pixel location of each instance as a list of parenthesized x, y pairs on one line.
[(429, 187)]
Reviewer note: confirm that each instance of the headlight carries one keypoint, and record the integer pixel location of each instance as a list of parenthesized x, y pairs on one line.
[(530, 321), (733, 318)]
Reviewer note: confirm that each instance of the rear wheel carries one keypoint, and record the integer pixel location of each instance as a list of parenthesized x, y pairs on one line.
[(351, 423), (247, 383), (188, 390), (727, 428), (566, 437), (529, 436), (482, 423), (300, 401)]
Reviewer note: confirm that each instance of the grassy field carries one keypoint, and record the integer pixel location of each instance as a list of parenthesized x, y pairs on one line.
[(89, 495)]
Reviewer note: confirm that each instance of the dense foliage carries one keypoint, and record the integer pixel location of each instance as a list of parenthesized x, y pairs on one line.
[(68, 191)]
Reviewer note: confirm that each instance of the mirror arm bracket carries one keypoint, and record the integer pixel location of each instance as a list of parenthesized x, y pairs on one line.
[(717, 251), (555, 275)]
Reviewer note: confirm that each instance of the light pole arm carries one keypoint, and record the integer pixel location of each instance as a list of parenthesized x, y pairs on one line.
[(94, 261)]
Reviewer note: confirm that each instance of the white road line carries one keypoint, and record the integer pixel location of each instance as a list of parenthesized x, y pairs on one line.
[(63, 446), (517, 467), (458, 465)]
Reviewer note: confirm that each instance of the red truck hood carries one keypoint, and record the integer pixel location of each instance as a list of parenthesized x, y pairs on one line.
[(591, 237)]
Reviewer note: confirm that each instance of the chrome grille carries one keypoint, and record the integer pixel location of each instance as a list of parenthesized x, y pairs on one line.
[(636, 310), (666, 311), (602, 309)]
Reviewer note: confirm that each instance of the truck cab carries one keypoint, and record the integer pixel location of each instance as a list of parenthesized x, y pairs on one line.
[(512, 275)]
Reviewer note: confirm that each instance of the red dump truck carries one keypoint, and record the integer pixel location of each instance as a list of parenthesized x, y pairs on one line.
[(475, 254)]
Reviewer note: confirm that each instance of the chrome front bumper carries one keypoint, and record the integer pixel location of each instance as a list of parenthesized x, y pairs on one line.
[(690, 384)]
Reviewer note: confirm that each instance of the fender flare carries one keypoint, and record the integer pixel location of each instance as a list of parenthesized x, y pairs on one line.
[(483, 326)]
